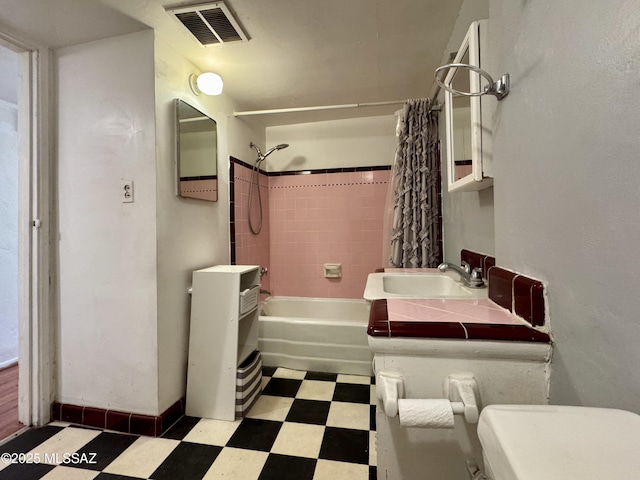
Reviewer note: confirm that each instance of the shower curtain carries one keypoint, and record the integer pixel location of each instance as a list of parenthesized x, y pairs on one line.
[(414, 210)]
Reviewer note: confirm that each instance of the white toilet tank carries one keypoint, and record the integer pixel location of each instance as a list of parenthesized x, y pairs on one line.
[(535, 442)]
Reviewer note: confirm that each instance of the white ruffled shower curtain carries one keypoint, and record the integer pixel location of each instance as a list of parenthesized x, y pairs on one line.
[(413, 202)]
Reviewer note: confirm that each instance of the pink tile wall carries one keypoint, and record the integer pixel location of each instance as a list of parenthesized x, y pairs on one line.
[(251, 249), (325, 218)]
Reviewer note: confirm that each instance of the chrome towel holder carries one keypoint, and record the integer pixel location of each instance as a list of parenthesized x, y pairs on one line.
[(499, 89)]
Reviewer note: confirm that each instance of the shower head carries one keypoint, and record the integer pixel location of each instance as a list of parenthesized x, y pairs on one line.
[(261, 157), (277, 147)]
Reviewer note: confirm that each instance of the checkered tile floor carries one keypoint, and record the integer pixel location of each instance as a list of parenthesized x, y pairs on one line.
[(306, 425)]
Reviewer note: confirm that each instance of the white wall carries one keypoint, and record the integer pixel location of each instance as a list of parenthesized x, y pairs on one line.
[(354, 142), (107, 345), (9, 229), (125, 268), (468, 217), (566, 168), (191, 234)]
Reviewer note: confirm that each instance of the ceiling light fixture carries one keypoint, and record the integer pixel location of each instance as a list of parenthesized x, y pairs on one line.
[(208, 83)]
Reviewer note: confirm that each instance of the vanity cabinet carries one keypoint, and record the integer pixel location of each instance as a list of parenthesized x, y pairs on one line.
[(469, 118), (224, 332)]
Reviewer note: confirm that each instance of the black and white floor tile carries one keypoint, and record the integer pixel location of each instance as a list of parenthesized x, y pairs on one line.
[(304, 426)]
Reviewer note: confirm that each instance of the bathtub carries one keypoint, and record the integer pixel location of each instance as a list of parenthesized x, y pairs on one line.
[(315, 334)]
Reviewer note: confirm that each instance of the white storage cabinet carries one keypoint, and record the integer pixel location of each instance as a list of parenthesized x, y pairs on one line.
[(224, 332)]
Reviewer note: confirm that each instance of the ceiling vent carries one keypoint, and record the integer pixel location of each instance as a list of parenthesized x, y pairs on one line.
[(211, 23)]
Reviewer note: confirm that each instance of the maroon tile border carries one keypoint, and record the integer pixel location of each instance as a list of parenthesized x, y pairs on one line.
[(311, 172), (477, 260), (149, 425), (94, 417), (378, 319), (521, 333), (528, 300), (118, 421), (501, 287), (237, 161), (232, 210), (488, 263), (519, 294), (474, 259), (329, 170), (71, 413), (144, 425), (380, 326)]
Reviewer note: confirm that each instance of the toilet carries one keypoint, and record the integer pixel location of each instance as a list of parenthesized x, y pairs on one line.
[(544, 442)]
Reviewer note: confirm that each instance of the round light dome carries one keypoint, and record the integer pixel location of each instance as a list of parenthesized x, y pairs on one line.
[(210, 83)]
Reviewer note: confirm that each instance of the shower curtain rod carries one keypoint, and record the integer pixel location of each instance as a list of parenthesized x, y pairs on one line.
[(320, 107), (436, 108)]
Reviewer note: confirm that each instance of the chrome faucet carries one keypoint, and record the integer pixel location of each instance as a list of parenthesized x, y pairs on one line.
[(471, 278)]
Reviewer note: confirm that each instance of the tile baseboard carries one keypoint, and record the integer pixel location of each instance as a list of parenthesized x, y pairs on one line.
[(124, 422)]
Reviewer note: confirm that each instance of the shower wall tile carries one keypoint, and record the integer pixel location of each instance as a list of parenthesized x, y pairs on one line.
[(312, 218), (319, 218), (250, 249)]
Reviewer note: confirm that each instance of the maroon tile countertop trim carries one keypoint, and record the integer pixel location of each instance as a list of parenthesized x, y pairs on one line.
[(428, 329), (378, 319), (380, 326), (149, 425), (521, 333)]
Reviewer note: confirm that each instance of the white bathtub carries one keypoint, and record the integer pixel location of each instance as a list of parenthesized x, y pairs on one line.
[(315, 334)]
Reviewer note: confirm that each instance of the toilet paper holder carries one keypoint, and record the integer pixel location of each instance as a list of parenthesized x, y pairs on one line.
[(389, 388), (460, 389)]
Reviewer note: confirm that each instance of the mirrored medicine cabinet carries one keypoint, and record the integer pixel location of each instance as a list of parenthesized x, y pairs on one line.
[(196, 153), (469, 118)]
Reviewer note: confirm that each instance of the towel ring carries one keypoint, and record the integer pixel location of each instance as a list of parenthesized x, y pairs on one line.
[(499, 89)]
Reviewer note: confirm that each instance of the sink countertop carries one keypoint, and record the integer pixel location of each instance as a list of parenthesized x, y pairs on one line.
[(454, 318)]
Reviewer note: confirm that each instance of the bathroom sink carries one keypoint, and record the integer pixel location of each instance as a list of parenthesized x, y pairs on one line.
[(440, 285), (427, 284)]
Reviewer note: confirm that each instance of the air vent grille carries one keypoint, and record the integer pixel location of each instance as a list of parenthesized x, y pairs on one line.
[(221, 24), (198, 28), (210, 23)]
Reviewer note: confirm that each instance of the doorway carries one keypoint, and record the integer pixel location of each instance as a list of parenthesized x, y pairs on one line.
[(25, 130), (9, 271)]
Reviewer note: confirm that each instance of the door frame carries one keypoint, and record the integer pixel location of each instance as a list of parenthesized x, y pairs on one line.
[(36, 387)]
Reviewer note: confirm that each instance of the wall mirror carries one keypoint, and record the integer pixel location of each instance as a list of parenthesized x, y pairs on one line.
[(468, 118), (197, 153)]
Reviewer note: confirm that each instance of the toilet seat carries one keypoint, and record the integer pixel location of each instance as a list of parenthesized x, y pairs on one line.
[(534, 442)]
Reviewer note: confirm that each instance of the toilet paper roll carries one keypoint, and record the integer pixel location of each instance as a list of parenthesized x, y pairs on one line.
[(425, 413)]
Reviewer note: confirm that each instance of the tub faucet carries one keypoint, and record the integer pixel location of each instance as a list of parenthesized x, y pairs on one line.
[(471, 278)]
